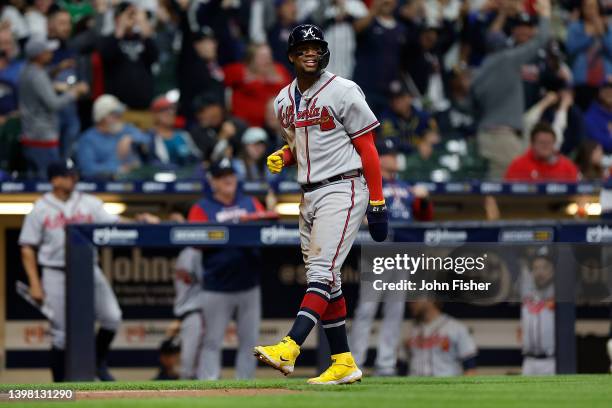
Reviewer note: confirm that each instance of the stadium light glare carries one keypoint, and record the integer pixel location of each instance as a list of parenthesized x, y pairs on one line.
[(15, 208), (115, 208), (588, 209), (173, 95), (288, 208), (164, 177)]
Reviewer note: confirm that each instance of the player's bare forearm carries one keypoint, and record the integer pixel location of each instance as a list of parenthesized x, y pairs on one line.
[(28, 259)]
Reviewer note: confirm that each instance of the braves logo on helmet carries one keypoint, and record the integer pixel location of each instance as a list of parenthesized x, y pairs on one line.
[(309, 33)]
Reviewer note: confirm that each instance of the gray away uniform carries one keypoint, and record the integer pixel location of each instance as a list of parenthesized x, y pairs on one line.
[(440, 347), (538, 328), (43, 228), (332, 112), (188, 308)]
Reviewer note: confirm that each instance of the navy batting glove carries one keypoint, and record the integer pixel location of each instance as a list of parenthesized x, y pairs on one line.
[(378, 221)]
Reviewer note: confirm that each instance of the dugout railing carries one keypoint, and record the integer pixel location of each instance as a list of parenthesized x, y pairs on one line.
[(83, 240)]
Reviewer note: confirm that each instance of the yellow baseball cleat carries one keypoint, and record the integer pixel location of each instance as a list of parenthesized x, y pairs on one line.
[(280, 356), (342, 371)]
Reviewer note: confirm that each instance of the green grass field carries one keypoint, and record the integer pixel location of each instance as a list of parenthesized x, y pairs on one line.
[(577, 391)]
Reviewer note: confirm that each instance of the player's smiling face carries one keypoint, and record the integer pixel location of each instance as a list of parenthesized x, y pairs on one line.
[(306, 57)]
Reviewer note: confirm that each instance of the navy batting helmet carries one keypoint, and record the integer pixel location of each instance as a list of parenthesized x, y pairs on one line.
[(309, 33)]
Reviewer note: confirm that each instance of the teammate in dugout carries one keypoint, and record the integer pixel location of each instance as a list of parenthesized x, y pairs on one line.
[(188, 282), (42, 241), (439, 345), (537, 333), (230, 278), (328, 126), (405, 204)]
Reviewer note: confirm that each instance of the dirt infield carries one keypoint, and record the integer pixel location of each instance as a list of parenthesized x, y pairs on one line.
[(138, 394)]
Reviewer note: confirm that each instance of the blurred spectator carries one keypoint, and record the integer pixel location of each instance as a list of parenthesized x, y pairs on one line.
[(251, 162), (111, 148), (278, 34), (39, 106), (486, 28), (422, 58), (566, 119), (171, 146), (254, 82), (538, 315), (10, 70), (403, 122), (79, 9), (405, 203), (167, 36), (589, 159), (500, 104), (128, 55), (11, 18), (547, 73), (437, 12), (439, 345), (599, 117), (541, 162), (215, 133), (231, 277), (198, 69), (380, 39), (36, 17), (225, 17), (589, 45), (458, 121), (169, 357), (511, 27), (272, 127), (64, 73), (336, 17), (422, 164)]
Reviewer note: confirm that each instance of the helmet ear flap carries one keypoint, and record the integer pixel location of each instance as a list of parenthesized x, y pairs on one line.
[(324, 59)]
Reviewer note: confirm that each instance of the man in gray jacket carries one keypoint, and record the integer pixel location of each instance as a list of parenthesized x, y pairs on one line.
[(39, 105), (498, 97)]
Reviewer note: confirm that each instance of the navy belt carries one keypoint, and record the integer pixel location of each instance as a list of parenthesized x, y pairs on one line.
[(59, 268), (539, 356), (307, 188)]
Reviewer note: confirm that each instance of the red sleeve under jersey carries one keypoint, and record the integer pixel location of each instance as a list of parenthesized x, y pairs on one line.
[(366, 148)]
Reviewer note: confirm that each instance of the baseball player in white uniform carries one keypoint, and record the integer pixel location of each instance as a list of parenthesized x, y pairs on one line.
[(327, 126), (538, 316), (188, 308), (42, 241), (439, 345)]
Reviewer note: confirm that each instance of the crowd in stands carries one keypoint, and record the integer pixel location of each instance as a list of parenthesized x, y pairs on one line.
[(474, 89)]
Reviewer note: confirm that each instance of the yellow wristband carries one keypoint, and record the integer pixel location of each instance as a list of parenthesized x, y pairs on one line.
[(377, 202)]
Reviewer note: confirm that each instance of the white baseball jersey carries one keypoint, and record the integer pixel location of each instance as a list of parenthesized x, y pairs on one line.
[(43, 227), (537, 319), (319, 131), (188, 281), (440, 347)]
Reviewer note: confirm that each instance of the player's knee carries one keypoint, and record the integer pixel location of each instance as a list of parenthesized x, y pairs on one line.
[(319, 276)]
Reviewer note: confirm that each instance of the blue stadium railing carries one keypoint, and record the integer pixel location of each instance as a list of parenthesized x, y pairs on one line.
[(83, 239), (197, 186)]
